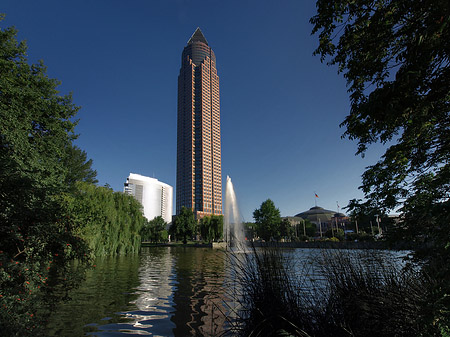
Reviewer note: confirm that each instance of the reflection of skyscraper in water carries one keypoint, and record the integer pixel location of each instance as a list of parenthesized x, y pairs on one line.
[(198, 297), (180, 293), (213, 305)]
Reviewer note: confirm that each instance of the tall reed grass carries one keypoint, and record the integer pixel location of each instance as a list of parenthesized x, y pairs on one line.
[(331, 293)]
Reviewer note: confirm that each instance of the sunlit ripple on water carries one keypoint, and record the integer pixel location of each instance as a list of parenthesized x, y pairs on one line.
[(179, 293), (154, 303)]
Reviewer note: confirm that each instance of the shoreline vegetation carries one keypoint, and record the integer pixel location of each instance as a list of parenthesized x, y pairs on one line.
[(347, 293)]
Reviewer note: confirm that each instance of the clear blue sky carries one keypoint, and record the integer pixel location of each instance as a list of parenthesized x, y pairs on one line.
[(280, 107)]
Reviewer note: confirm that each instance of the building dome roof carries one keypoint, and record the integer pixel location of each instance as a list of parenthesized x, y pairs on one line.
[(317, 214), (339, 215)]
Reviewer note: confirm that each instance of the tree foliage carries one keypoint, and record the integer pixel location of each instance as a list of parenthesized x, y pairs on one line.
[(305, 229), (110, 222), (395, 57), (154, 230), (335, 232), (310, 228), (79, 168), (366, 214), (50, 212), (268, 220), (184, 225), (287, 231), (211, 228), (37, 240)]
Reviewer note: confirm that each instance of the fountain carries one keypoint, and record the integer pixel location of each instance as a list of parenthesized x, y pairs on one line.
[(233, 229)]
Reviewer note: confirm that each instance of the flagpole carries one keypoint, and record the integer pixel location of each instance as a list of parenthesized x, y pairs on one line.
[(336, 218)]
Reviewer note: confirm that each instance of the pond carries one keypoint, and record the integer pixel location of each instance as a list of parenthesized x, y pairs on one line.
[(164, 291)]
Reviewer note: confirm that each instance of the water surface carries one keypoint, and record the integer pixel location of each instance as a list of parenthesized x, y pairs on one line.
[(167, 291), (164, 291)]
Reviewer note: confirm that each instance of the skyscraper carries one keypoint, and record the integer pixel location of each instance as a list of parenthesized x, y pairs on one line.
[(199, 173)]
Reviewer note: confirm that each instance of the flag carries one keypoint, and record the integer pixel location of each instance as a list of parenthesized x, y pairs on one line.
[(316, 195)]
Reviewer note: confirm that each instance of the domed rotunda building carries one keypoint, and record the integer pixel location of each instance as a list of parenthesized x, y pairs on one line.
[(317, 215), (324, 219)]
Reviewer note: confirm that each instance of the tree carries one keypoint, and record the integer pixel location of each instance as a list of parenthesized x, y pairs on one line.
[(216, 227), (286, 229), (79, 168), (154, 230), (110, 222), (395, 57), (310, 228), (184, 224), (366, 213), (37, 239), (336, 232), (205, 228), (268, 220), (211, 228)]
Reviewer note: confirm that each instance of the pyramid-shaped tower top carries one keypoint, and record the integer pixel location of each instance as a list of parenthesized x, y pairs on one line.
[(198, 36)]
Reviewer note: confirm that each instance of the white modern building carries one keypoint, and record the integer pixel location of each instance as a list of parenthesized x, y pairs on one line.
[(155, 196)]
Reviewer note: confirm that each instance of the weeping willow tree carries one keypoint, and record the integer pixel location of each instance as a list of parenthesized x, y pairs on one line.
[(211, 228), (108, 221)]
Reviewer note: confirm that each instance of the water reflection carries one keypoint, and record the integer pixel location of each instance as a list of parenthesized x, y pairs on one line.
[(179, 293), (200, 276), (108, 289), (166, 291), (154, 302)]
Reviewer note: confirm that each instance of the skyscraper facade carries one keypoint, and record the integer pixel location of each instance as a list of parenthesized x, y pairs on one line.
[(199, 173)]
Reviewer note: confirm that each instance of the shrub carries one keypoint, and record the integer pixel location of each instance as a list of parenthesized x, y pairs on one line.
[(332, 239)]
